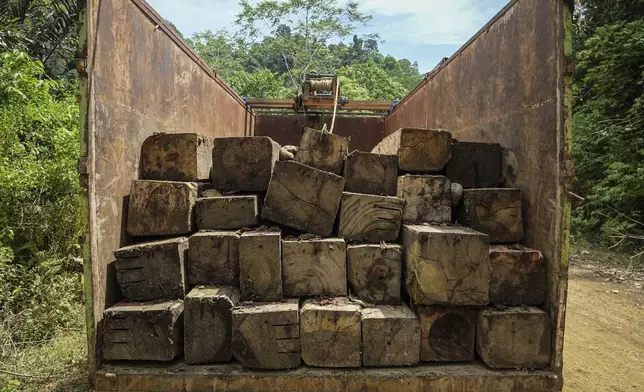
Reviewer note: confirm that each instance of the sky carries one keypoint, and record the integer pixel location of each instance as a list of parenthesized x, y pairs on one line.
[(419, 30)]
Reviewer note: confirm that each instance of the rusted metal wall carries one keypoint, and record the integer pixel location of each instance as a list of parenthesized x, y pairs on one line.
[(365, 132), (507, 85), (137, 78)]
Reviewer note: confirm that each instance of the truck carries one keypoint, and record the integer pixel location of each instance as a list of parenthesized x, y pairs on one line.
[(511, 84)]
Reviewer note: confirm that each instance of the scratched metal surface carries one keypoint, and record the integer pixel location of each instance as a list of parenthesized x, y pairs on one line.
[(365, 132), (506, 86), (141, 81)]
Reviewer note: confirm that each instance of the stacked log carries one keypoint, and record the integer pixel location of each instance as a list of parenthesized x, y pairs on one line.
[(278, 256)]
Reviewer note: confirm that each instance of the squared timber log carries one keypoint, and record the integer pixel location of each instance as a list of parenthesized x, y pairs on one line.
[(475, 165), (375, 272), (227, 212), (448, 333), (322, 150), (427, 198), (213, 259), (148, 331), (243, 164), (330, 333), (207, 328), (517, 276), (514, 338), (446, 265), (314, 267), (267, 336), (418, 150), (260, 266), (373, 174), (493, 211), (152, 270), (176, 157), (370, 218), (161, 208), (390, 336), (303, 198)]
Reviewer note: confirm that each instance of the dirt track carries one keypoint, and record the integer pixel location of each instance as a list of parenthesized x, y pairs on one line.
[(604, 346)]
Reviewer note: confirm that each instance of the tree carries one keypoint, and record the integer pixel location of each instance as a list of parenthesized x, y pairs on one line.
[(369, 81), (311, 25), (609, 121), (46, 29)]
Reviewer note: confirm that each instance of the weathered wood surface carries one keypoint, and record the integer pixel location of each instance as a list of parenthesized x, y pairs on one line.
[(213, 258), (161, 208), (227, 212), (314, 267), (446, 265), (232, 377), (390, 336), (148, 331), (267, 336), (494, 211), (287, 153), (243, 163), (330, 333), (369, 173), (375, 272), (176, 157), (260, 266), (370, 218), (322, 150), (517, 276), (448, 333), (303, 198), (514, 338), (418, 150), (475, 165), (152, 270), (208, 324), (206, 189), (427, 198)]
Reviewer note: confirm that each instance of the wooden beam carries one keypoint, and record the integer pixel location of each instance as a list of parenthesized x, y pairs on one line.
[(319, 103)]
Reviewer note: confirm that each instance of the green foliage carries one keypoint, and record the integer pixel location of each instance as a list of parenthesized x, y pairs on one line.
[(609, 123), (39, 199), (279, 42), (46, 29), (369, 81)]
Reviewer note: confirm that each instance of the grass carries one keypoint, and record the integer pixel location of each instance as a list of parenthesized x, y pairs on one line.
[(55, 365)]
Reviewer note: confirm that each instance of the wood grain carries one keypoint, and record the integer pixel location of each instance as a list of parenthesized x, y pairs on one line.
[(427, 198), (446, 265), (208, 324), (148, 331), (496, 212), (213, 258), (227, 212), (369, 173), (161, 208), (243, 163), (375, 272), (330, 333), (322, 150), (176, 157), (447, 333), (303, 198), (418, 150), (260, 266), (314, 267), (390, 336), (370, 218), (266, 336), (152, 270)]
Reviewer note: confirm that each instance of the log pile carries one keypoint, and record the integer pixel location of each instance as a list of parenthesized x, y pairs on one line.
[(245, 251)]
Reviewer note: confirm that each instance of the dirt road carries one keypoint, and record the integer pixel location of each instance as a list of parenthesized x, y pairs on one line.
[(604, 343)]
